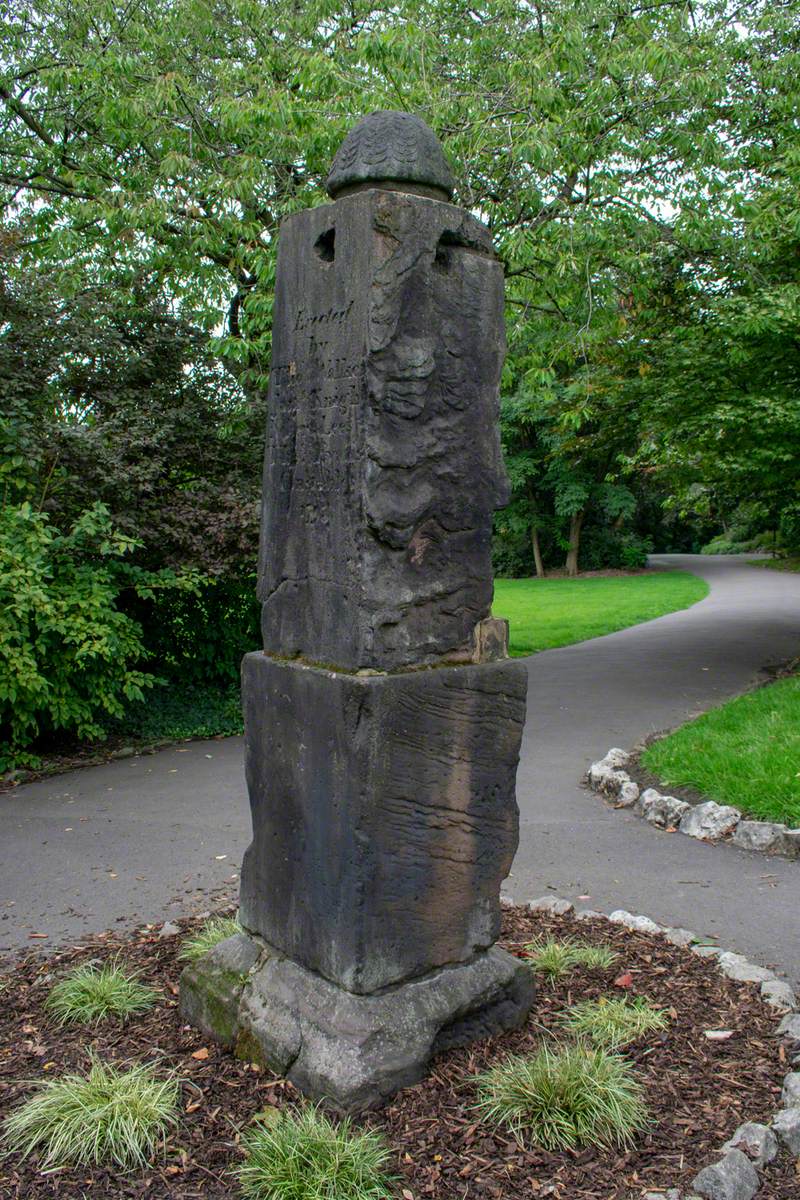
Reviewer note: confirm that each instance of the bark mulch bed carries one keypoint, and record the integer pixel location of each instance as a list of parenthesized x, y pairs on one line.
[(698, 1090)]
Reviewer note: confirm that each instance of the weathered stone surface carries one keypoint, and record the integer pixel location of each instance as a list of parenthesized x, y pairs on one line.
[(384, 815), (390, 148), (791, 843), (736, 966), (732, 1178), (663, 811), (617, 758), (710, 820), (790, 1094), (551, 904), (383, 463), (211, 988), (607, 780), (765, 836), (634, 921), (627, 795), (779, 995), (352, 1051), (669, 1194), (680, 937), (589, 914), (758, 1142), (708, 951), (790, 1027), (786, 1124)]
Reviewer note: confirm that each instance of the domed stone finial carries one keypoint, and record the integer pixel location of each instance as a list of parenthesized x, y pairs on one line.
[(394, 149)]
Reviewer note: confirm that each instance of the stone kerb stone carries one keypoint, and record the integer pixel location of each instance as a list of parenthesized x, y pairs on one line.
[(382, 719), (708, 821)]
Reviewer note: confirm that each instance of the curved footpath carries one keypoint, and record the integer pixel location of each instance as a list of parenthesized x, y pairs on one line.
[(146, 838)]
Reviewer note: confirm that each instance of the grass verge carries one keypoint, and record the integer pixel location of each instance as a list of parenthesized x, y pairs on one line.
[(611, 1023), (91, 993), (777, 564), (745, 752), (207, 936), (565, 1098), (544, 613), (305, 1156), (107, 1116)]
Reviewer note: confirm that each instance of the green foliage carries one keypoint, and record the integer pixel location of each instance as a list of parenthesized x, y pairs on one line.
[(563, 1098), (613, 1024), (745, 753), (182, 710), (69, 658), (555, 959), (215, 930), (198, 638), (108, 1116), (544, 613), (90, 993), (305, 1156), (637, 165)]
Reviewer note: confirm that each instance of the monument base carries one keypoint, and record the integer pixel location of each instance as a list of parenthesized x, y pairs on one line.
[(353, 1051)]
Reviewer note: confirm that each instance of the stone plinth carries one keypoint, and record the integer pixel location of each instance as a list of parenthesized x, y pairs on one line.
[(384, 816), (353, 1051)]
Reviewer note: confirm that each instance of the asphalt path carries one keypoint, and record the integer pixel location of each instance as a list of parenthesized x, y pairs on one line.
[(146, 838)]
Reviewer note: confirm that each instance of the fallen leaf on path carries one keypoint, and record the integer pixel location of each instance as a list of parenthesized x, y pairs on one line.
[(624, 981), (719, 1035), (201, 1054)]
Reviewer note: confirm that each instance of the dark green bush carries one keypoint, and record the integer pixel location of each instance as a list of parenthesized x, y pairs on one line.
[(603, 548), (70, 659), (198, 639)]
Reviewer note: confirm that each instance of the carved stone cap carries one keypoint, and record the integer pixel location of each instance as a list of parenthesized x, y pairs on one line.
[(391, 149)]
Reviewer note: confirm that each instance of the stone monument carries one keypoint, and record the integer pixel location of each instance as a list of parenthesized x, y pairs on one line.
[(383, 718)]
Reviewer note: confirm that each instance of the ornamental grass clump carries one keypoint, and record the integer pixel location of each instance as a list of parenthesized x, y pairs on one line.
[(555, 959), (109, 1116), (207, 936), (304, 1156), (90, 993), (563, 1098), (613, 1024)]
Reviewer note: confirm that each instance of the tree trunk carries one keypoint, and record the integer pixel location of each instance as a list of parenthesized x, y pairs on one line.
[(537, 552), (575, 525)]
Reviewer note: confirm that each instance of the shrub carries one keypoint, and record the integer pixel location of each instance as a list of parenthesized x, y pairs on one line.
[(107, 1116), (182, 710), (562, 1099), (604, 547), (69, 658), (91, 993), (199, 638), (207, 936), (612, 1023), (304, 1156), (556, 959)]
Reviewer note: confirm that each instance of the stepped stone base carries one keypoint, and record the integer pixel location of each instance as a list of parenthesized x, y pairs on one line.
[(353, 1051)]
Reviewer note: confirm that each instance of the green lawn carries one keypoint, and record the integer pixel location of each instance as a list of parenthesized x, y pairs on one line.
[(746, 753), (543, 613), (777, 564)]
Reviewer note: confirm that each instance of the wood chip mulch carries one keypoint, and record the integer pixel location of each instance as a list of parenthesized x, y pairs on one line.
[(698, 1090)]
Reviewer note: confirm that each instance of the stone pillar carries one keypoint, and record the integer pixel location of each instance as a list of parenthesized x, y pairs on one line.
[(383, 718)]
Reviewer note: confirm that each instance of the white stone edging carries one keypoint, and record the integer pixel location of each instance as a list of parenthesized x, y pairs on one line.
[(709, 822), (735, 1174)]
